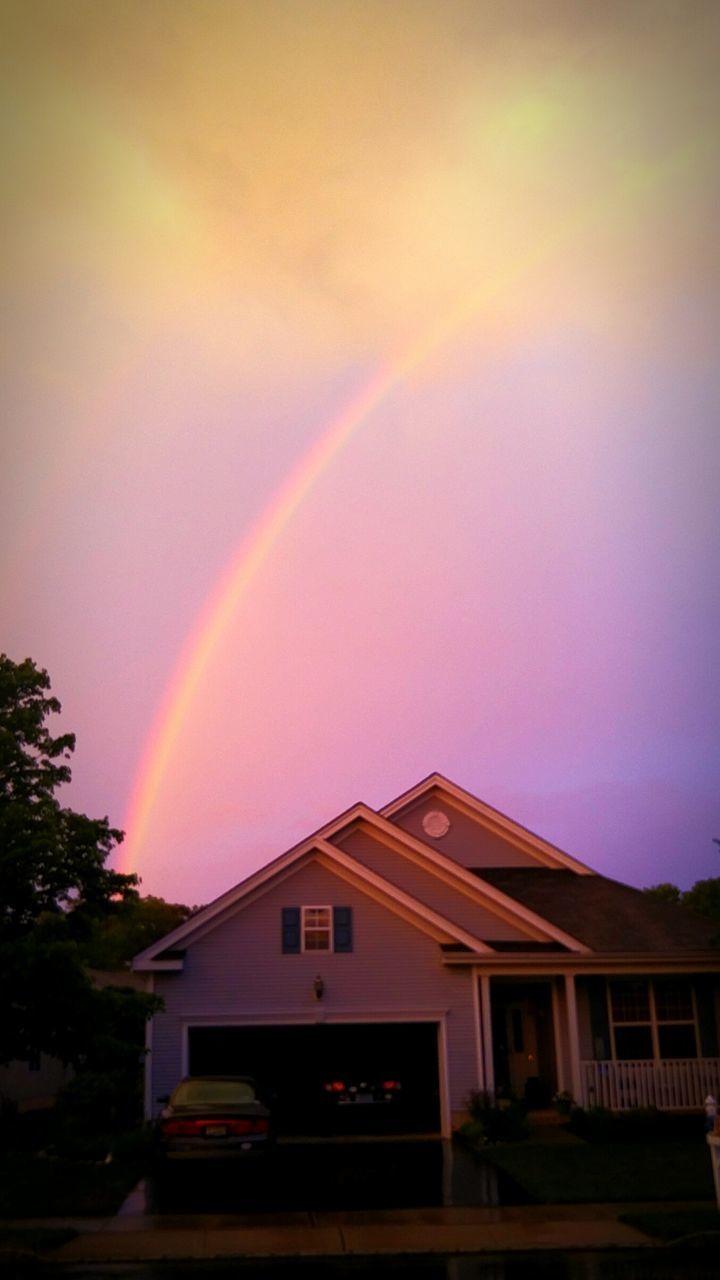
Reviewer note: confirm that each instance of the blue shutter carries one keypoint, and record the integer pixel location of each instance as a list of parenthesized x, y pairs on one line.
[(342, 928), (291, 930)]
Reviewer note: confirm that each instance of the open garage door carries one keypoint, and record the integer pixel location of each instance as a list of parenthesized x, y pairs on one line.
[(295, 1063)]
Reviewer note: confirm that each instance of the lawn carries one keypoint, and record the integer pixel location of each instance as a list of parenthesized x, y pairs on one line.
[(699, 1224), (33, 1186), (588, 1172)]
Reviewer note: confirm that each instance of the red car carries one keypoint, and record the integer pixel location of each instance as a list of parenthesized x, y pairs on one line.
[(213, 1117)]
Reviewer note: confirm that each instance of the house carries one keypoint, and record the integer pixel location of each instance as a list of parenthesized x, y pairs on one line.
[(439, 943)]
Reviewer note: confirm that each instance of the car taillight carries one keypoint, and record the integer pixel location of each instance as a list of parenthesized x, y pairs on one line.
[(182, 1128), (254, 1126), (335, 1086), (390, 1086), (197, 1126)]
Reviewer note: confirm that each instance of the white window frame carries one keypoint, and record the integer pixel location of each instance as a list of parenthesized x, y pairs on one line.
[(306, 927), (653, 1022)]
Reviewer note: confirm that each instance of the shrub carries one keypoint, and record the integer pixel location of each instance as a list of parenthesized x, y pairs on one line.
[(92, 1110), (641, 1124), (493, 1121)]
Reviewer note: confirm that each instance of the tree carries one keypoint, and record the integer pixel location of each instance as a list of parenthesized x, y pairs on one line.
[(51, 858), (665, 892), (703, 899), (134, 924), (54, 885)]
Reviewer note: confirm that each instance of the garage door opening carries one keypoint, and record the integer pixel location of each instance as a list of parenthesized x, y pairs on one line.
[(293, 1064)]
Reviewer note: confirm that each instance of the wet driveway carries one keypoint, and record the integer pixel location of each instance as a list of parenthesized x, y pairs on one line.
[(302, 1176), (617, 1265)]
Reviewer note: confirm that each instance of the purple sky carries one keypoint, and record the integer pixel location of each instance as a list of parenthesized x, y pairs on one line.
[(223, 220)]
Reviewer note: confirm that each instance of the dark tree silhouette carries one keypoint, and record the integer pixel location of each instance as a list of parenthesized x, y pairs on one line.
[(54, 887)]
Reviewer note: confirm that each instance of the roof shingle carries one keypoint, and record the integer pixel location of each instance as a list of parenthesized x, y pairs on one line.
[(603, 914)]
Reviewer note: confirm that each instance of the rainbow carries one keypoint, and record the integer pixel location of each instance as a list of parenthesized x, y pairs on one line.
[(212, 623), (256, 547)]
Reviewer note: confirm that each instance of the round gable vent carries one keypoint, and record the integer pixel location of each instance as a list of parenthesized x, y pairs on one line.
[(435, 824)]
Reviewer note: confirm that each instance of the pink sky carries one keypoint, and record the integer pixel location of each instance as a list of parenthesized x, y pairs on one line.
[(228, 223)]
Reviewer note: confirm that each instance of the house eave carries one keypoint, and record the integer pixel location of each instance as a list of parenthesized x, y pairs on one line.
[(496, 821), (158, 966), (610, 962), (465, 881)]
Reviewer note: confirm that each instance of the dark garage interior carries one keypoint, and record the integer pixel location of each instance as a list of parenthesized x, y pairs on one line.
[(292, 1064)]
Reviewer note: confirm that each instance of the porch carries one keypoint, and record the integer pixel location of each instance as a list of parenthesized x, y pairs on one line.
[(609, 1040), (670, 1085)]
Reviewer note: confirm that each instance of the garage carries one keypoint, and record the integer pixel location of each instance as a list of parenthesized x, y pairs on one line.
[(294, 1064)]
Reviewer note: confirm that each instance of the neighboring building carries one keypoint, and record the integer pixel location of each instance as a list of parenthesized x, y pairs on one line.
[(32, 1086), (440, 943)]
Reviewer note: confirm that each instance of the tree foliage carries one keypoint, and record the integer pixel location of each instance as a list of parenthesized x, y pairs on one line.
[(51, 858), (133, 925), (665, 892), (54, 888), (703, 898)]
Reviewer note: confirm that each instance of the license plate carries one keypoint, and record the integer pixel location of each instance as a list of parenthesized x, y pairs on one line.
[(364, 1097), (216, 1131)]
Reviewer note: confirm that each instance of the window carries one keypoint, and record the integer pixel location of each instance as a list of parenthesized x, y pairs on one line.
[(652, 1019), (311, 929), (316, 929)]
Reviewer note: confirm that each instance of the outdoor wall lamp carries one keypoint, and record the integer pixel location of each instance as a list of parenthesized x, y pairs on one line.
[(318, 988)]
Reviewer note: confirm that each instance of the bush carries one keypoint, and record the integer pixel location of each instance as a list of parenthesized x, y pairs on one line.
[(93, 1110), (26, 1130), (136, 1145), (492, 1121), (641, 1124)]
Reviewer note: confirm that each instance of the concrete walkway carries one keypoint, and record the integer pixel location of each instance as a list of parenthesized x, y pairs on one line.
[(134, 1235), (136, 1238)]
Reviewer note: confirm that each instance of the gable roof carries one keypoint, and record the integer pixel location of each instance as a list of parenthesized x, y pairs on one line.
[(423, 917), (445, 868), (491, 897), (605, 914), (557, 901), (544, 853)]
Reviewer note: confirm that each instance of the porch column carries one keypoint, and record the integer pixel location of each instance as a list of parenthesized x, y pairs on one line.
[(573, 1037), (557, 1012), (487, 1040)]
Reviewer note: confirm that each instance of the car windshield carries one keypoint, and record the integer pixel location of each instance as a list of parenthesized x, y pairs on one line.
[(196, 1093)]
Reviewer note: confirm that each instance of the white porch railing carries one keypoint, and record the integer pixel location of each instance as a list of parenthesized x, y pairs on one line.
[(672, 1085)]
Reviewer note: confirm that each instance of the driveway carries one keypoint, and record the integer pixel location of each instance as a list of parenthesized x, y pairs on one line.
[(301, 1176)]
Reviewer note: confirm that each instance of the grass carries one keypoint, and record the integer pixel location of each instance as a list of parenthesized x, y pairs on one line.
[(676, 1225), (34, 1186), (612, 1172), (33, 1240)]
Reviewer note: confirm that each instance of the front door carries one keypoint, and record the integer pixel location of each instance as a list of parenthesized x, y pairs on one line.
[(523, 1041)]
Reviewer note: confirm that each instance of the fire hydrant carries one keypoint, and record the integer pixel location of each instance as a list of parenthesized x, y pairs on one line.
[(712, 1137)]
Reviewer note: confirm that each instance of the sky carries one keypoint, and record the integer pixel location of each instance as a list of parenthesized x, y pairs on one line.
[(360, 386)]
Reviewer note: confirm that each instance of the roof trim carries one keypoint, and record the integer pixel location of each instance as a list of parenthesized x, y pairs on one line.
[(343, 864), (393, 897), (459, 877), (499, 823), (412, 848), (612, 964)]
